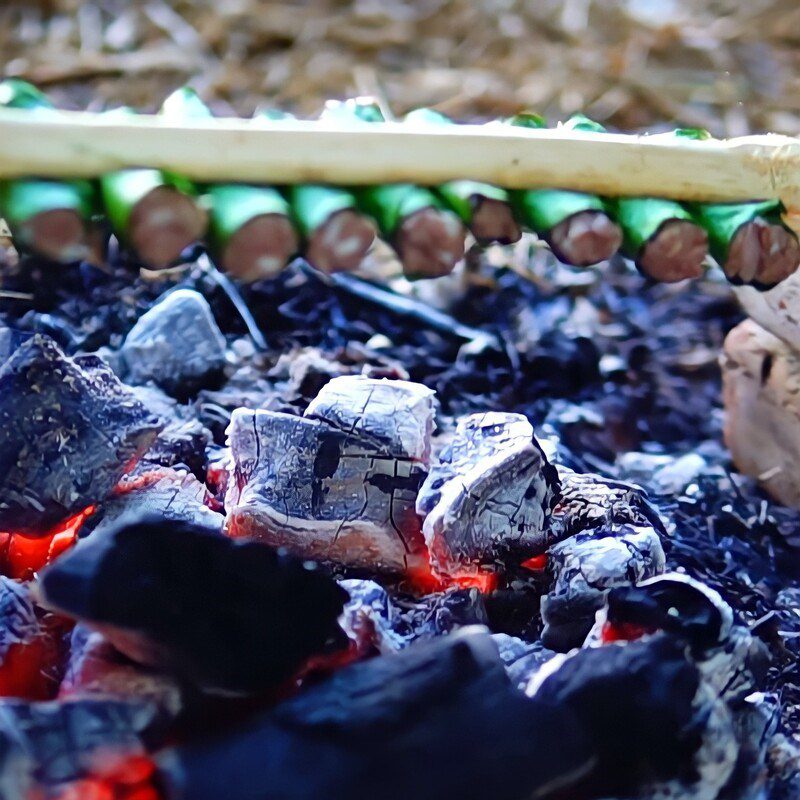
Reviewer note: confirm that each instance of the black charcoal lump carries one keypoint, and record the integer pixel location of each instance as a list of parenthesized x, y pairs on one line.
[(438, 720), (176, 344), (224, 615), (69, 429), (490, 497), (658, 728), (340, 483)]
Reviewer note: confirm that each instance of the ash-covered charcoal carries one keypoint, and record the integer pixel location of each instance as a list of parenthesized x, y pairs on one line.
[(586, 566), (68, 431), (438, 720), (522, 659), (671, 735), (181, 444), (45, 744), (489, 498), (96, 668), (176, 344), (224, 615), (375, 621), (169, 494), (728, 656), (592, 502), (340, 483), (395, 415), (31, 644), (306, 371)]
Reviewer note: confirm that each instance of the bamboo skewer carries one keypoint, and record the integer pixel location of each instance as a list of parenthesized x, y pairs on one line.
[(82, 144)]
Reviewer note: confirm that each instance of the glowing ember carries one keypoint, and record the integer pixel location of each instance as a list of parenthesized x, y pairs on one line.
[(535, 563), (622, 632), (23, 556), (424, 580), (129, 780)]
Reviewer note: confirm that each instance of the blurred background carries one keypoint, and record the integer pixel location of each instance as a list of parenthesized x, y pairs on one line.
[(727, 65)]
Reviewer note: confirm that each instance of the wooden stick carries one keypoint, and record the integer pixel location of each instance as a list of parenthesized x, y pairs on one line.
[(82, 144)]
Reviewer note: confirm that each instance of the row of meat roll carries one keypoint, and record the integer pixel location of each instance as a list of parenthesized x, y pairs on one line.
[(254, 231)]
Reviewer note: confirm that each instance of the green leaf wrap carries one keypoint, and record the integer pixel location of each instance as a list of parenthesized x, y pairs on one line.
[(540, 210), (21, 200), (391, 203)]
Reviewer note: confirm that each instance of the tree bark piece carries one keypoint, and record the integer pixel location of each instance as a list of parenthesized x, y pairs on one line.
[(761, 379)]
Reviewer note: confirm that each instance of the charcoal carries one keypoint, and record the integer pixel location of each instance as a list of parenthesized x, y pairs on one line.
[(395, 415), (490, 497), (96, 668), (68, 431), (374, 620), (438, 720), (522, 659), (20, 623), (340, 483), (726, 653), (53, 742), (224, 615), (590, 502), (176, 344), (172, 495), (670, 737), (586, 566)]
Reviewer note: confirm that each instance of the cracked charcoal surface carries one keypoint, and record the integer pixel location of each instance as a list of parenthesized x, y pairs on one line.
[(340, 483), (68, 431), (224, 615), (490, 496)]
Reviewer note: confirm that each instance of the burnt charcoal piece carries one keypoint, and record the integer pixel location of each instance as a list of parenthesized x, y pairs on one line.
[(490, 497), (586, 566), (68, 431), (181, 444), (728, 656), (49, 743), (590, 502), (396, 415), (444, 709), (340, 483), (234, 616), (96, 667), (522, 659), (658, 730), (170, 495), (375, 621), (176, 344)]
